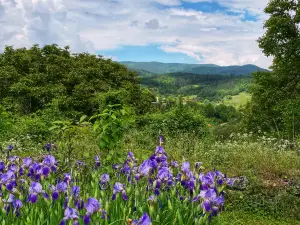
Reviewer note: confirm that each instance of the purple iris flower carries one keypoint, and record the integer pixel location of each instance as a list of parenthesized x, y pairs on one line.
[(151, 198), (86, 219), (97, 161), (207, 179), (164, 174), (104, 179), (10, 147), (62, 186), (21, 171), (206, 205), (145, 168), (10, 185), (144, 220), (35, 187), (55, 195), (11, 198), (79, 204), (185, 167), (126, 169), (67, 177), (49, 160), (66, 202), (115, 166), (33, 197), (12, 167), (210, 194), (45, 171), (17, 204), (174, 164), (70, 214), (75, 191), (159, 150), (13, 158), (2, 166), (92, 205), (118, 187), (27, 162)]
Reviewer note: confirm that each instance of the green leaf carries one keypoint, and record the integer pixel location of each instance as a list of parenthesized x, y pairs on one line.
[(53, 127), (82, 118), (113, 116), (58, 122), (102, 144)]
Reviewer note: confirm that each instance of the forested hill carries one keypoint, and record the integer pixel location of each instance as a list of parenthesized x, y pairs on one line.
[(211, 87), (163, 68)]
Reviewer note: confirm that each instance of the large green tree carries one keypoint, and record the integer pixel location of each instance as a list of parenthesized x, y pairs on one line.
[(32, 79), (275, 104)]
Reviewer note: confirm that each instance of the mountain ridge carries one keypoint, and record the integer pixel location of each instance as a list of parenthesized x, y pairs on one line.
[(165, 68)]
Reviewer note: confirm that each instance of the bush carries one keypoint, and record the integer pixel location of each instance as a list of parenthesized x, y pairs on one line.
[(5, 121), (179, 120)]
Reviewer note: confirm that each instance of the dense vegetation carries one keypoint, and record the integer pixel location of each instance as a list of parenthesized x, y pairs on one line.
[(89, 112), (276, 95), (204, 87)]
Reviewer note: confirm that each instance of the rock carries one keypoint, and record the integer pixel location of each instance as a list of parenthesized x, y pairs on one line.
[(240, 183)]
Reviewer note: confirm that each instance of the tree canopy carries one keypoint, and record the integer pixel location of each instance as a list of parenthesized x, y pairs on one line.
[(32, 79), (276, 96)]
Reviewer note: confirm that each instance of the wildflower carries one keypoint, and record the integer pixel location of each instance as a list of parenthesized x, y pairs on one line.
[(75, 191), (45, 171), (67, 177), (97, 161), (62, 187), (2, 166), (174, 164), (92, 205), (144, 220), (118, 187), (104, 179), (70, 214), (185, 167), (34, 189)]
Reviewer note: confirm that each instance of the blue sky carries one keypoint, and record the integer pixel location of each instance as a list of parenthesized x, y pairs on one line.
[(146, 53), (222, 32)]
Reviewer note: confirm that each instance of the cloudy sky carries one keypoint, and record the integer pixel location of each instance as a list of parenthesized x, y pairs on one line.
[(222, 32)]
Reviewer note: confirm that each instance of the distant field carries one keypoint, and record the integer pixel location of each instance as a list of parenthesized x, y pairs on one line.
[(237, 100)]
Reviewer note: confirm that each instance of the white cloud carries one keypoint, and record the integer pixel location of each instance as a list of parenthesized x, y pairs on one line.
[(92, 25)]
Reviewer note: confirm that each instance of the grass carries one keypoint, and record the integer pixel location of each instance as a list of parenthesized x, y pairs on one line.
[(237, 100), (244, 218), (269, 198)]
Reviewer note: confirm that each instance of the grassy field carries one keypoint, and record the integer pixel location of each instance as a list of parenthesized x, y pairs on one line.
[(244, 218), (237, 100), (272, 169)]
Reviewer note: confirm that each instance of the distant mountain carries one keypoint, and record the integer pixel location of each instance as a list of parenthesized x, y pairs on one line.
[(144, 68), (226, 70), (160, 68)]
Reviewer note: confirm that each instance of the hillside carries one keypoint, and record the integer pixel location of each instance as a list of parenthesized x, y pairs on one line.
[(163, 68), (160, 68), (211, 87)]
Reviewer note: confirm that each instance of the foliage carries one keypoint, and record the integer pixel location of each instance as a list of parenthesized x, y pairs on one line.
[(33, 78), (275, 104), (109, 127), (211, 87), (178, 120), (5, 122)]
